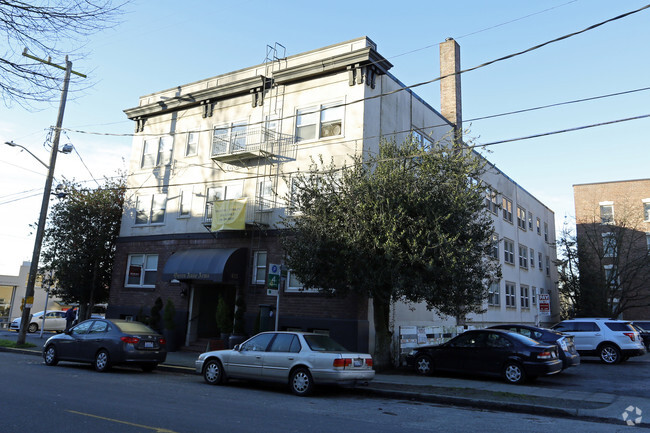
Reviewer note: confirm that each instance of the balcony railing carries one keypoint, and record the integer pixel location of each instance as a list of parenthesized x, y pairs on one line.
[(246, 143)]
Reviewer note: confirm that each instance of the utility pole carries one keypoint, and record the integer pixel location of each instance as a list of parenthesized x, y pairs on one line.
[(40, 230)]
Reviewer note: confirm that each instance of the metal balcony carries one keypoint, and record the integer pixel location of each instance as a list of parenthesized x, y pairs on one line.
[(250, 143)]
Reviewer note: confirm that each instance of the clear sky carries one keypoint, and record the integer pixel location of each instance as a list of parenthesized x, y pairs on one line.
[(162, 44)]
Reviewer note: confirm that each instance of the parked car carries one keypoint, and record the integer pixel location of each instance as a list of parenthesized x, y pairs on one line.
[(54, 321), (105, 343), (644, 333), (299, 359), (611, 340), (566, 349), (644, 324), (489, 351)]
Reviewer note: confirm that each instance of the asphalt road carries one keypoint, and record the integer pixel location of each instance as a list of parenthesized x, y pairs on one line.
[(74, 398)]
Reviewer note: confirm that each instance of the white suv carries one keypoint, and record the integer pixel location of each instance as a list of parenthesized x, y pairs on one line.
[(612, 340)]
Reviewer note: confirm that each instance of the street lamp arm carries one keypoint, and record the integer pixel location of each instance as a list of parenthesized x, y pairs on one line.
[(12, 144)]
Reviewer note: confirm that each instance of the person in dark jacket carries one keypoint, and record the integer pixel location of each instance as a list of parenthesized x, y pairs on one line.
[(70, 317)]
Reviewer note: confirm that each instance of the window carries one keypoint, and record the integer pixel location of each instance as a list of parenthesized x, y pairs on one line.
[(647, 240), (611, 277), (494, 294), (491, 201), (185, 203), (229, 138), (609, 245), (545, 232), (259, 267), (539, 227), (258, 343), (294, 284), (521, 218), (607, 212), (142, 270), (511, 295), (539, 261), (548, 265), (525, 300), (533, 294), (157, 151), (507, 209), (494, 252), (530, 221), (150, 209), (523, 257), (285, 343), (192, 143), (317, 122), (532, 258), (509, 251), (646, 209), (224, 192)]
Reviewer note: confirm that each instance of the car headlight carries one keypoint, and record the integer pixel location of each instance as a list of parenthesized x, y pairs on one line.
[(413, 352)]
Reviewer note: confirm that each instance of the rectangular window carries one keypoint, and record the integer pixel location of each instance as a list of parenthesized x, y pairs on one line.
[(494, 294), (259, 267), (647, 240), (533, 294), (321, 121), (150, 209), (548, 265), (646, 209), (611, 277), (507, 209), (609, 245), (141, 270), (532, 258), (492, 201), (545, 232), (509, 251), (192, 144), (523, 257), (157, 151), (607, 212), (228, 139), (165, 150), (224, 192), (294, 284), (511, 295), (539, 261), (185, 203), (521, 218), (530, 221), (539, 227), (525, 300), (495, 246)]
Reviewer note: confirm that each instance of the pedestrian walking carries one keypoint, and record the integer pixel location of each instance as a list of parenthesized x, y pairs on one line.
[(70, 317)]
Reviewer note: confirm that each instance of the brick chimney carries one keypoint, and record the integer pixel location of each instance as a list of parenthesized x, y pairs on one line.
[(450, 104)]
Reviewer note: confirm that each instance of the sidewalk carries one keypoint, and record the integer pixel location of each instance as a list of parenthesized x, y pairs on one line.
[(478, 393)]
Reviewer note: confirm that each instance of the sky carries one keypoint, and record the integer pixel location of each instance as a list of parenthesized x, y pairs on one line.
[(173, 43)]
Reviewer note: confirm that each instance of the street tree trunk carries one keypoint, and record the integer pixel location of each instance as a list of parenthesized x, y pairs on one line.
[(382, 356)]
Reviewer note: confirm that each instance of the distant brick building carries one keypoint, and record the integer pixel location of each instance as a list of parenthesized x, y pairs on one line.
[(613, 231)]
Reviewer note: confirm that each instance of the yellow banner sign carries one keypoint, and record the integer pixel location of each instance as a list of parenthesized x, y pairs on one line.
[(229, 215)]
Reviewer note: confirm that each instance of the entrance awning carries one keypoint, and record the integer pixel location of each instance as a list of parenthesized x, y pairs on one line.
[(219, 265)]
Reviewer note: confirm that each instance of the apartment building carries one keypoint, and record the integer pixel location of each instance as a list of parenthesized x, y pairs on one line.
[(613, 233), (210, 173)]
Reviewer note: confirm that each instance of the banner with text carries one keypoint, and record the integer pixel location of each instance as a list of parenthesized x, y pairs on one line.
[(229, 214)]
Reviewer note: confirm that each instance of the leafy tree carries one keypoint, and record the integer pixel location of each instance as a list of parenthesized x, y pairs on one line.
[(569, 274), (52, 28), (407, 224), (613, 261), (79, 242)]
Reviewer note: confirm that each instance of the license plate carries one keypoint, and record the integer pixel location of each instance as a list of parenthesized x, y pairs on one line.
[(358, 362), (148, 344)]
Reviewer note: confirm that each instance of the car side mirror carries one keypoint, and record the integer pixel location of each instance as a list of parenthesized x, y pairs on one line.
[(236, 347)]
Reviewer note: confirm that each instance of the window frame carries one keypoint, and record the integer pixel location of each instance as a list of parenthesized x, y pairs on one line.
[(257, 268), (192, 146), (185, 203), (494, 294), (315, 116), (236, 188), (524, 296), (511, 294), (521, 218), (150, 201), (604, 217), (143, 270), (297, 289), (508, 251), (523, 256), (507, 209)]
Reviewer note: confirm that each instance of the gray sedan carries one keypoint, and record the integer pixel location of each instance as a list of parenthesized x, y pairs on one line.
[(299, 359), (105, 343)]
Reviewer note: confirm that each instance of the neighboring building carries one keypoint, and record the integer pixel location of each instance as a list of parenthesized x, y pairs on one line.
[(12, 294), (613, 232), (206, 150)]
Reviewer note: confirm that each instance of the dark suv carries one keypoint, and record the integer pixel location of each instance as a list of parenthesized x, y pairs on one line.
[(612, 340)]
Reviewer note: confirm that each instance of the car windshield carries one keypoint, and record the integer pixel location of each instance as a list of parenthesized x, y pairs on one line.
[(323, 343), (134, 328)]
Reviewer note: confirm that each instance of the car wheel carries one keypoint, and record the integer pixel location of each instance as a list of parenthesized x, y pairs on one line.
[(50, 356), (513, 373), (102, 361), (33, 327), (424, 365), (610, 354), (301, 382), (149, 367), (213, 372)]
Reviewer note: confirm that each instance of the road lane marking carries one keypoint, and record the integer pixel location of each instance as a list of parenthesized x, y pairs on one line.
[(156, 429)]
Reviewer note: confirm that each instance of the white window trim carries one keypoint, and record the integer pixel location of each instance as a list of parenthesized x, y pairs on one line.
[(492, 293), (187, 144), (523, 256), (237, 189), (524, 296), (317, 109), (143, 271), (258, 269), (185, 196), (297, 289), (646, 215), (150, 199), (511, 296)]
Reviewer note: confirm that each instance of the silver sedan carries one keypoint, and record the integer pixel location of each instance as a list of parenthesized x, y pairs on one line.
[(299, 359)]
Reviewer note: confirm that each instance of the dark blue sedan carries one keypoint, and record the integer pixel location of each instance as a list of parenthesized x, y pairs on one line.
[(494, 352)]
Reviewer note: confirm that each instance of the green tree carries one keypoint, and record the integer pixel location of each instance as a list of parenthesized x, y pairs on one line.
[(79, 242), (407, 224)]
